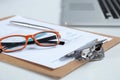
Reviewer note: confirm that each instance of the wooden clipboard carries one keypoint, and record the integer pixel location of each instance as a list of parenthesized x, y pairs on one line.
[(59, 72)]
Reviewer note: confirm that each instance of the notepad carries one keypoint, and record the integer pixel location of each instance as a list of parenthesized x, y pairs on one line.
[(47, 56)]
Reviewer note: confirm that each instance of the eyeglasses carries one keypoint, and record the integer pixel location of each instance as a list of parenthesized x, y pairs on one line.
[(18, 42)]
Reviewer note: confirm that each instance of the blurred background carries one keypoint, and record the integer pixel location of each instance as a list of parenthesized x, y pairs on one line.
[(50, 11)]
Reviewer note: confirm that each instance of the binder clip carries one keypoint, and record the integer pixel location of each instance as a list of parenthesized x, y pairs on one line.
[(93, 51)]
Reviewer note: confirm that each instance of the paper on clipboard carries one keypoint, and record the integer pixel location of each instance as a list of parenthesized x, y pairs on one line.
[(49, 56)]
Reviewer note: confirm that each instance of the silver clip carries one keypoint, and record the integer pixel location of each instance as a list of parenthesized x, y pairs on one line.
[(93, 51)]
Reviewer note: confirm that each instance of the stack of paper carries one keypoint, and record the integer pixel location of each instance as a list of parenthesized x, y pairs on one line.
[(47, 56)]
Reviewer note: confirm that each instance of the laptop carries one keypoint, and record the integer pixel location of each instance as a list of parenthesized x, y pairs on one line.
[(90, 12)]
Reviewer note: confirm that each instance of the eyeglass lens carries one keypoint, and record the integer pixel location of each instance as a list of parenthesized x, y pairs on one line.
[(11, 43), (46, 38)]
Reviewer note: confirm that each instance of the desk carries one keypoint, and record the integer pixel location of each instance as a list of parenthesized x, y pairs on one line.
[(49, 11)]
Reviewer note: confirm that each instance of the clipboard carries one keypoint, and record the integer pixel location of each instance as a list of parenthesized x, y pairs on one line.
[(55, 73)]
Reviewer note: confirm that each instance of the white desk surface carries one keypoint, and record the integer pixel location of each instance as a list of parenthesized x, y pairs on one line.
[(49, 11)]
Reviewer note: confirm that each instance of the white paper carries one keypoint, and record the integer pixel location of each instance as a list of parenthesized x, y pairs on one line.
[(47, 56)]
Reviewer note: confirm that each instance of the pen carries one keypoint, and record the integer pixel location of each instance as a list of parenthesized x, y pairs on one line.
[(29, 25)]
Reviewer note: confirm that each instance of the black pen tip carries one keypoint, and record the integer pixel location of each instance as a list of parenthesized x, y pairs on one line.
[(62, 43)]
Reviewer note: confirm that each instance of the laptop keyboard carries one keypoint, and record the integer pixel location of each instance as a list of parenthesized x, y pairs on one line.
[(110, 8)]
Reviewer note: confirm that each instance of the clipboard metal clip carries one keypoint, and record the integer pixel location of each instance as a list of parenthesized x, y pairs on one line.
[(93, 51)]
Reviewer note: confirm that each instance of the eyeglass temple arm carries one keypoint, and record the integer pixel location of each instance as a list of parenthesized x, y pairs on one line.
[(44, 40)]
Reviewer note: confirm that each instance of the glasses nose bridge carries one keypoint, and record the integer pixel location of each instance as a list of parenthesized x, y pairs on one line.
[(0, 46), (29, 36)]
